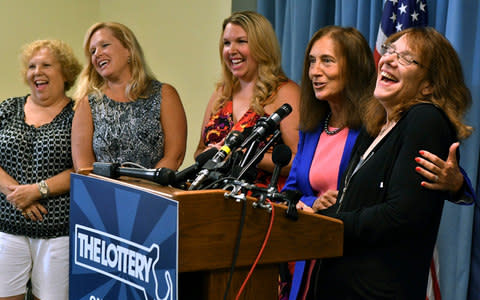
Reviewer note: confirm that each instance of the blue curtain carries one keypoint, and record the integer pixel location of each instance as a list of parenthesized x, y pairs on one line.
[(295, 21)]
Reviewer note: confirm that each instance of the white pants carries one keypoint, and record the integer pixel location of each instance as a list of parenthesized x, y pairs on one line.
[(45, 261)]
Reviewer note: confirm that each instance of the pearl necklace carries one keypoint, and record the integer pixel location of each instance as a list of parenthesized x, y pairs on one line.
[(325, 127)]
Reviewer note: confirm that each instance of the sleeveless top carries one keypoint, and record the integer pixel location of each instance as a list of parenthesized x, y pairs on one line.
[(29, 155), (128, 131)]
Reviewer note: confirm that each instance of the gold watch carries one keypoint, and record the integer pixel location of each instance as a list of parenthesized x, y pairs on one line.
[(43, 188)]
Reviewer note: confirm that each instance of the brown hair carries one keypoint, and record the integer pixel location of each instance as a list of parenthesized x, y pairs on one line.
[(442, 69), (265, 49), (357, 71)]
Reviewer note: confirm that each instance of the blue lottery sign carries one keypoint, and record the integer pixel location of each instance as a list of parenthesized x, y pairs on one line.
[(123, 242)]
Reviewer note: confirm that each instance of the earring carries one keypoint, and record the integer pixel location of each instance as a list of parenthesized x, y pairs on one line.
[(129, 60)]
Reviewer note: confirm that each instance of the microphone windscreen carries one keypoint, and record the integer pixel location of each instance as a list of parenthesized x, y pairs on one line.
[(165, 176), (281, 155)]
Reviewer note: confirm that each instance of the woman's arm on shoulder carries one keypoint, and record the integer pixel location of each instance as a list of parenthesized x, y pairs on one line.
[(174, 124), (206, 117), (82, 136)]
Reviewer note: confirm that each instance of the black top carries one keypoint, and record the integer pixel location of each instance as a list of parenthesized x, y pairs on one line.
[(390, 220), (30, 155)]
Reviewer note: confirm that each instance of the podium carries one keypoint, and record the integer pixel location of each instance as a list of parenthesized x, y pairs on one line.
[(208, 229)]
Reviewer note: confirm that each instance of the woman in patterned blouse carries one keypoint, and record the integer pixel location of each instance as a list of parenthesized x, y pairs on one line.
[(123, 113), (35, 160)]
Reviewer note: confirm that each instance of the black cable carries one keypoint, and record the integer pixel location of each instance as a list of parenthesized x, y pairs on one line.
[(209, 186), (237, 248)]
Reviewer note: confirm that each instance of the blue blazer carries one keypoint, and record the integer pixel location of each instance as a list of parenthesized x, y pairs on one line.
[(299, 180)]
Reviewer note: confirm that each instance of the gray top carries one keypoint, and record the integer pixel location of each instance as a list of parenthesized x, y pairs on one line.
[(128, 131)]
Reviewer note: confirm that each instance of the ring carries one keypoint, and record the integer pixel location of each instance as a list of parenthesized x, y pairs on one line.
[(29, 214), (436, 178)]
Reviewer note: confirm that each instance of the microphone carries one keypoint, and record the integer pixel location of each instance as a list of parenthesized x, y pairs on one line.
[(265, 127), (163, 176), (201, 159), (281, 157), (292, 197), (232, 141)]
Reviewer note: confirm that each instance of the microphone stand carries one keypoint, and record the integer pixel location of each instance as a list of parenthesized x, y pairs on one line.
[(247, 166)]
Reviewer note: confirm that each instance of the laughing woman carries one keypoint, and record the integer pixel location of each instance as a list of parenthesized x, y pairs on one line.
[(35, 167), (390, 220), (123, 113)]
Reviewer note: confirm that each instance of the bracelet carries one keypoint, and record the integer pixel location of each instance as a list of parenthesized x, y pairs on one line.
[(43, 188)]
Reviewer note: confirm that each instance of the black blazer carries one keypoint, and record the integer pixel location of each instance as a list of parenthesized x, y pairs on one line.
[(390, 220)]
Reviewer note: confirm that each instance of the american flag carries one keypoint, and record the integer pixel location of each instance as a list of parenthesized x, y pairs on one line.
[(397, 16)]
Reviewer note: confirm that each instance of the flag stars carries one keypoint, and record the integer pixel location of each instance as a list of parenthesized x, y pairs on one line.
[(414, 16), (399, 27), (394, 2), (393, 17), (403, 9), (422, 6)]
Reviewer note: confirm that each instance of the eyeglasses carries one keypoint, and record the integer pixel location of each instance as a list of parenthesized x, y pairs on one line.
[(403, 59)]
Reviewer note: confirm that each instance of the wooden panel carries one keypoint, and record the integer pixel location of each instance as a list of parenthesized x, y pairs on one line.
[(209, 225)]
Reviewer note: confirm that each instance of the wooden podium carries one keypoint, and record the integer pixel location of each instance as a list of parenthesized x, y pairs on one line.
[(208, 228)]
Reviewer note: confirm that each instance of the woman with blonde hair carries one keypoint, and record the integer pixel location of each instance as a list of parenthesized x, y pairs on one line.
[(253, 85), (36, 162), (123, 113)]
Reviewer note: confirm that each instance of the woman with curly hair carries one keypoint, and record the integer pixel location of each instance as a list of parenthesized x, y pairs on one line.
[(36, 162), (253, 85)]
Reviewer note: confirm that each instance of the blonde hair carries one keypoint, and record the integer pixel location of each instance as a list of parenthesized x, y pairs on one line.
[(63, 53), (265, 49), (441, 67), (91, 82)]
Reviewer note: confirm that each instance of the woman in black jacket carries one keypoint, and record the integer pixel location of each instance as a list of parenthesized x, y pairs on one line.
[(391, 222)]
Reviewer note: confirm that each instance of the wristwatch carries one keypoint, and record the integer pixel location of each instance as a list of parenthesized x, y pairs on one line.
[(43, 188)]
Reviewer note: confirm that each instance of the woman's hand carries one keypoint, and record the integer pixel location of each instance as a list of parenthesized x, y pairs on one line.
[(304, 207), (442, 175), (22, 196), (326, 200), (34, 212), (217, 145)]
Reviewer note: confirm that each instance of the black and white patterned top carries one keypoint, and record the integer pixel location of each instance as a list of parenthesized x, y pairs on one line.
[(30, 155), (128, 131)]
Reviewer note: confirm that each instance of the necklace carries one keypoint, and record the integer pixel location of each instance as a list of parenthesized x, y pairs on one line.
[(325, 127), (386, 128)]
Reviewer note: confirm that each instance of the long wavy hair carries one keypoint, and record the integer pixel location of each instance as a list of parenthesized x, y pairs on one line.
[(91, 82), (265, 49), (357, 72), (62, 52), (441, 67)]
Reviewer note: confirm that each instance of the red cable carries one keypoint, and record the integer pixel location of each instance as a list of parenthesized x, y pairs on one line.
[(267, 236)]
